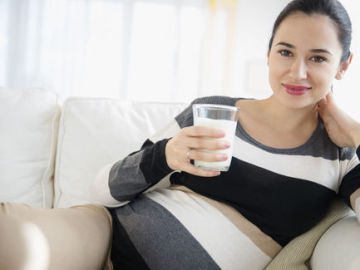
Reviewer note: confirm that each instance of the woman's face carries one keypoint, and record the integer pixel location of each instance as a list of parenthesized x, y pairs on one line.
[(304, 59)]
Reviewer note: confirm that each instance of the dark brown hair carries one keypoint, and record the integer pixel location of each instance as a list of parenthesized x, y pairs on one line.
[(331, 8)]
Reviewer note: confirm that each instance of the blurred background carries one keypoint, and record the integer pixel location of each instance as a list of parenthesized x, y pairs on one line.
[(149, 50)]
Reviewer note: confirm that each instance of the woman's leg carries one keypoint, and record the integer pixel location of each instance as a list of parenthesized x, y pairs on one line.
[(65, 238)]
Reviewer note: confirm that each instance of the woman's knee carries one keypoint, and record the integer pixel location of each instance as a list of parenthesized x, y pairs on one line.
[(72, 238), (23, 245)]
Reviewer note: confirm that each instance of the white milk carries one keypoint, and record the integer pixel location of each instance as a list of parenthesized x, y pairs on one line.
[(228, 127)]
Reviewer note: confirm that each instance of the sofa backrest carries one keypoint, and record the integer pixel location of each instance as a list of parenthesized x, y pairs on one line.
[(94, 132), (28, 138)]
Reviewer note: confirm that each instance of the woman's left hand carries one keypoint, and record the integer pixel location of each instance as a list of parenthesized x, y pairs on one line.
[(342, 129)]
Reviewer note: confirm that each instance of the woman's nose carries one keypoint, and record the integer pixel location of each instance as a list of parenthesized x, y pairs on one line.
[(298, 69)]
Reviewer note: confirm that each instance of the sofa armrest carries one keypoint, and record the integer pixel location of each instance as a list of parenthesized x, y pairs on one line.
[(339, 247)]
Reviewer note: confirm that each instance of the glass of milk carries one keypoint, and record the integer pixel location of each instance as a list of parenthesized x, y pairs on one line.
[(217, 116)]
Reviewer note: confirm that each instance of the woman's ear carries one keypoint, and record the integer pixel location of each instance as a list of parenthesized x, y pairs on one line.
[(343, 67)]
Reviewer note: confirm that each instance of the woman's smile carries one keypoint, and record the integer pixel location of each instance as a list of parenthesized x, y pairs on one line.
[(296, 90)]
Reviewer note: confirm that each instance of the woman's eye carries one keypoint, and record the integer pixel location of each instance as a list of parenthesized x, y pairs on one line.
[(318, 59), (285, 53)]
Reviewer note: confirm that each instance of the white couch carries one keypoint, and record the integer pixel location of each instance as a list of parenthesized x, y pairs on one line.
[(51, 152)]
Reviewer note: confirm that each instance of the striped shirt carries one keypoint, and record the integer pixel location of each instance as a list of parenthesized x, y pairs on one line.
[(238, 220)]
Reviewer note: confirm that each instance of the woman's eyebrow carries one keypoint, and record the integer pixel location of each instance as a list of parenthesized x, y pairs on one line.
[(312, 50), (286, 45), (320, 51)]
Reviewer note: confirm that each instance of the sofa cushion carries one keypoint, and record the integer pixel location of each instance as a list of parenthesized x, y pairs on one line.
[(345, 234), (94, 132), (28, 124)]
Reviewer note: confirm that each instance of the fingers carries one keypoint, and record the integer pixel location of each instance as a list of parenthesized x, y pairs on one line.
[(330, 98), (206, 156), (200, 131), (203, 156), (321, 107), (184, 165), (205, 143), (203, 138), (189, 168), (323, 111), (327, 106), (194, 143), (322, 102)]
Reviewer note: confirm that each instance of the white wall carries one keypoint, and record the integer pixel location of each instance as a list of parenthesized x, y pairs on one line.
[(347, 91), (254, 31)]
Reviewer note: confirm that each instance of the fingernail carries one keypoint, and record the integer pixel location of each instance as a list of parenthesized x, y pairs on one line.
[(223, 144), (226, 144)]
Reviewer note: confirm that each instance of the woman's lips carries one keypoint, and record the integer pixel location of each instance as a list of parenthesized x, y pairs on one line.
[(296, 90)]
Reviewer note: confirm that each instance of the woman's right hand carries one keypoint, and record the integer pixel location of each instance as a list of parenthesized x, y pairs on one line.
[(189, 143)]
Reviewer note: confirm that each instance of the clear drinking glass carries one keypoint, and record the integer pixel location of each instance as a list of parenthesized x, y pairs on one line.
[(222, 117)]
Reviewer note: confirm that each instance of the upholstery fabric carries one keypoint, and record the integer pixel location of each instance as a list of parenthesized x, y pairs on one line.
[(28, 137), (343, 235), (94, 132)]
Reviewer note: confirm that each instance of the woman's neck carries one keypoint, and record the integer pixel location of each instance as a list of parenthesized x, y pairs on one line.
[(273, 124), (289, 119)]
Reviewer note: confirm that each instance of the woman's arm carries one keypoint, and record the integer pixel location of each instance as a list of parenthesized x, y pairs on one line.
[(166, 152), (350, 188), (138, 171), (344, 132), (118, 183)]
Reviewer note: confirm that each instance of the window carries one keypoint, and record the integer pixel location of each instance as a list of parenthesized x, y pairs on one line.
[(162, 50)]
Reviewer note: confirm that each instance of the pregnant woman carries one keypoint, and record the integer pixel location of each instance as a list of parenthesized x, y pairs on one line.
[(294, 152)]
